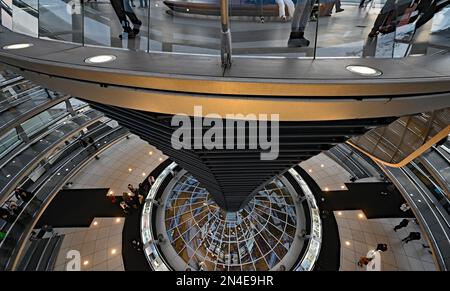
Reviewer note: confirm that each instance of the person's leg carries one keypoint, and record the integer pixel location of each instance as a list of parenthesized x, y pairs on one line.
[(132, 16), (281, 9), (119, 10), (339, 6), (300, 19), (291, 7)]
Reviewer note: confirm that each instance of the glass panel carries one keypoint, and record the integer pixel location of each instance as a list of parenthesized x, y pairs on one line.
[(7, 140), (7, 12), (25, 17), (433, 31), (344, 28), (43, 119), (61, 20), (116, 23), (273, 28), (182, 26)]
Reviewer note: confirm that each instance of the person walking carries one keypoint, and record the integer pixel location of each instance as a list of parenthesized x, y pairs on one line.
[(123, 9), (300, 19), (412, 236), (402, 224)]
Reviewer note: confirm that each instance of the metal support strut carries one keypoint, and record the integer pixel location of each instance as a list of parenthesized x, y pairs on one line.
[(225, 50)]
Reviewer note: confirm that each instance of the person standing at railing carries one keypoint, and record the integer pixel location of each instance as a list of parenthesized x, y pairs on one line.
[(300, 19), (282, 10), (123, 10)]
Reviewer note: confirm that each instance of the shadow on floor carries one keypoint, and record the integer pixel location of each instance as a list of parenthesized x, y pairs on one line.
[(78, 207)]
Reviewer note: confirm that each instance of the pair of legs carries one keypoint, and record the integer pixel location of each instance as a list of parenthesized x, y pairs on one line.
[(124, 10), (300, 19), (337, 4), (361, 4), (281, 8), (143, 3)]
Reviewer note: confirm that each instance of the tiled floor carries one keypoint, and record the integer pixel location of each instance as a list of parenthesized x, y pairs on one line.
[(327, 173), (127, 162), (100, 245), (363, 234), (358, 235)]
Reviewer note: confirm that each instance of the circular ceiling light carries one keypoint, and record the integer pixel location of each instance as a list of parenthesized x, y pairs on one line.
[(100, 59), (17, 46), (364, 71)]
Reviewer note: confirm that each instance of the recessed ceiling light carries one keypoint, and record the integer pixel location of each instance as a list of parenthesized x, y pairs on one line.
[(327, 189), (360, 215), (347, 243), (160, 159), (339, 213), (111, 192), (100, 59), (86, 262), (95, 223), (150, 153), (113, 251), (342, 187), (310, 170), (143, 174), (17, 46), (364, 71), (322, 165), (130, 169), (117, 220)]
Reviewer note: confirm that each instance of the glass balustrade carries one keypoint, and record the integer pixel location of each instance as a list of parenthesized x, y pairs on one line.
[(259, 28)]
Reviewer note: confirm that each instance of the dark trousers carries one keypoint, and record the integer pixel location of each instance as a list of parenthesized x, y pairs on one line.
[(123, 9)]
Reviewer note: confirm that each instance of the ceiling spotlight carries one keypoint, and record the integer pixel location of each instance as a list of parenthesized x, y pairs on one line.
[(111, 192), (130, 169), (322, 166), (364, 71), (143, 174), (339, 213), (113, 251), (86, 262), (342, 187), (160, 159), (17, 46), (95, 223), (347, 243), (150, 153), (360, 215), (310, 170), (117, 220), (100, 59), (327, 189)]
